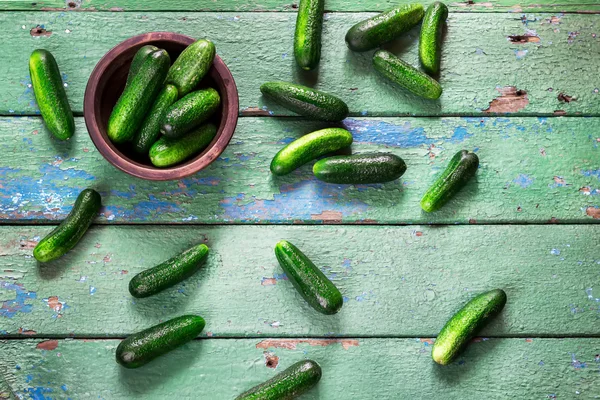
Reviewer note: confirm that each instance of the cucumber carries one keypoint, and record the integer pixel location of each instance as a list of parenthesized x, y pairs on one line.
[(62, 239), (307, 40), (168, 273), (288, 384), (313, 285), (136, 63), (189, 112), (167, 152), (384, 27), (465, 324), (360, 168), (306, 101), (309, 147), (430, 43), (191, 66), (143, 347), (137, 98), (50, 94), (461, 168), (406, 75)]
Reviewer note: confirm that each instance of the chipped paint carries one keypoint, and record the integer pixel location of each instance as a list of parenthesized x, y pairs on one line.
[(291, 344), (510, 100), (47, 345), (56, 305), (271, 360), (9, 308)]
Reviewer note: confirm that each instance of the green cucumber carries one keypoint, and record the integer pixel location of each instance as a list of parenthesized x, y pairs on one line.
[(313, 285), (306, 101), (288, 384), (406, 75), (384, 27), (360, 168), (461, 168), (309, 147), (62, 239), (465, 324), (307, 40), (137, 61), (191, 66), (430, 43), (167, 152), (168, 273), (189, 112), (50, 94), (143, 347), (137, 98)]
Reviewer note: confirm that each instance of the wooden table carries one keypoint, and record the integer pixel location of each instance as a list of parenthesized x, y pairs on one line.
[(521, 88)]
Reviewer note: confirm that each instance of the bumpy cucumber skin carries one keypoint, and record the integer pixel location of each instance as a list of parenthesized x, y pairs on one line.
[(465, 324), (189, 112), (360, 168), (191, 66), (50, 94), (306, 101), (309, 147), (143, 347), (406, 75), (460, 170), (288, 384), (137, 98), (307, 40), (62, 239), (168, 273), (384, 27), (430, 43), (167, 152), (137, 61), (313, 285)]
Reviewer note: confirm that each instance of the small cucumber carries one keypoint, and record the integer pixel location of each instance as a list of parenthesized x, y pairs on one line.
[(137, 98), (136, 63), (191, 66), (406, 75), (50, 94), (384, 27), (309, 147), (307, 40), (189, 112), (288, 384), (313, 285), (306, 101), (430, 43), (167, 152), (143, 347), (360, 168), (465, 324), (461, 168), (62, 239)]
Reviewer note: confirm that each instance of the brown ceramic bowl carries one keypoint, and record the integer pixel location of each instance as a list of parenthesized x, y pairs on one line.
[(107, 83)]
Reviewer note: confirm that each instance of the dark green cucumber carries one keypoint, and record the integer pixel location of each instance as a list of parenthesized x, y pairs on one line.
[(167, 152), (137, 98), (360, 168), (465, 324), (168, 273), (139, 57), (406, 75), (191, 66), (309, 147), (384, 27), (189, 112), (313, 285), (461, 168), (288, 384), (50, 94), (62, 239), (430, 43), (143, 347), (307, 40), (306, 101)]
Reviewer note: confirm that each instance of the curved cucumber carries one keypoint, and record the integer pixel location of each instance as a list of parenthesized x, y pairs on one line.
[(136, 63), (462, 167), (62, 239), (50, 94), (167, 152), (430, 43), (190, 112), (307, 40), (191, 66), (465, 324), (309, 147), (288, 384), (360, 168), (313, 285), (143, 347)]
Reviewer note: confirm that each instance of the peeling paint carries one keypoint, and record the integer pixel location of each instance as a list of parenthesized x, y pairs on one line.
[(510, 100), (9, 308), (291, 344), (47, 345)]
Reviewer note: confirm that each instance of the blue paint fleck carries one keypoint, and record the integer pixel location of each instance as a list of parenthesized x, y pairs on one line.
[(591, 173), (9, 308), (555, 252), (38, 393), (524, 180), (520, 53), (576, 363), (92, 290), (64, 387)]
